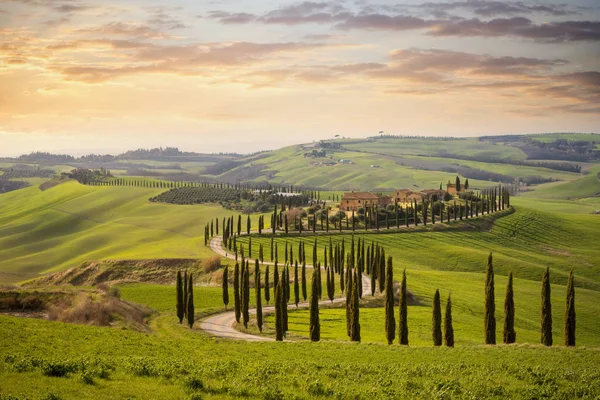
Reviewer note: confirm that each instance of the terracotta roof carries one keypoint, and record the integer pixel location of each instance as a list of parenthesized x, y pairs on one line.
[(431, 191), (359, 195)]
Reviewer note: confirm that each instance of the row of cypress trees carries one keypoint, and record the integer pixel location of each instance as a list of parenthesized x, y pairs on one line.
[(185, 298), (509, 334)]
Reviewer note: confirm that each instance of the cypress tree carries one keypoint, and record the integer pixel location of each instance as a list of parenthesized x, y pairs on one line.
[(259, 315), (272, 240), (279, 312), (546, 310), (381, 272), (296, 285), (185, 293), (490, 304), (570, 312), (225, 286), (330, 280), (190, 303), (448, 328), (437, 320), (267, 289), (304, 280), (286, 296), (349, 316), (315, 325), (403, 321), (354, 308), (180, 304), (275, 276), (510, 336), (390, 320), (320, 283), (246, 295), (373, 276), (248, 225), (236, 292)]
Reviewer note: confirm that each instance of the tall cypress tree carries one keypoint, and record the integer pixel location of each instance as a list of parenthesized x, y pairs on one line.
[(285, 274), (437, 320), (330, 282), (348, 309), (304, 294), (275, 276), (510, 336), (236, 292), (279, 312), (246, 295), (354, 307), (259, 314), (403, 321), (448, 328), (267, 289), (546, 310), (390, 320), (180, 303), (490, 304), (190, 303), (570, 312), (185, 293), (248, 225), (296, 285), (315, 325), (226, 286)]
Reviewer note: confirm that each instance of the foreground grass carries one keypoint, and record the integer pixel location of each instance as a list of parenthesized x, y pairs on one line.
[(161, 365)]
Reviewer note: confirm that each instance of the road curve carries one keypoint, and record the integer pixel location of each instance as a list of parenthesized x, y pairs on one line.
[(221, 325)]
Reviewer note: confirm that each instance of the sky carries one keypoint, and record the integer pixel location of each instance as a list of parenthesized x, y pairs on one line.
[(82, 76)]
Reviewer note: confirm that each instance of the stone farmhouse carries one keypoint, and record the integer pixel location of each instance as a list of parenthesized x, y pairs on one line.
[(352, 201)]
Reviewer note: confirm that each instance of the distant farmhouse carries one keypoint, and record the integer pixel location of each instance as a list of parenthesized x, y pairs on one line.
[(352, 201)]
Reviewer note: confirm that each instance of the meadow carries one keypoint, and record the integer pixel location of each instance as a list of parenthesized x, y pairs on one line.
[(43, 232)]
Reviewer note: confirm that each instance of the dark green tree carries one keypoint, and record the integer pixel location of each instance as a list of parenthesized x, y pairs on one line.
[(267, 290), (237, 304), (286, 297), (570, 312), (437, 320), (457, 182), (349, 316), (304, 294), (296, 285), (185, 293), (354, 307), (180, 302), (490, 304), (275, 276), (246, 295), (315, 325), (279, 300), (448, 328), (190, 303), (546, 310), (403, 321), (390, 319), (225, 286), (259, 314), (510, 336), (248, 223)]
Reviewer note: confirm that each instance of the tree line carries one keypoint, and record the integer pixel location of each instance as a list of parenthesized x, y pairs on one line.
[(370, 260)]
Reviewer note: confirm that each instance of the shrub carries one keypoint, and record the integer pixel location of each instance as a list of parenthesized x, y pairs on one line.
[(193, 383), (211, 264), (87, 377)]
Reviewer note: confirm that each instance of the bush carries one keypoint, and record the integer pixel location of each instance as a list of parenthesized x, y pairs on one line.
[(211, 264), (193, 384), (87, 377)]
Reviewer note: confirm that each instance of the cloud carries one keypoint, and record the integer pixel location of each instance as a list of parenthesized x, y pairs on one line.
[(409, 17), (496, 8), (566, 31), (130, 29)]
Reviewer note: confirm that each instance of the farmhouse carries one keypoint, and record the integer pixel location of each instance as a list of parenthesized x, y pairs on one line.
[(354, 200), (451, 188), (407, 196)]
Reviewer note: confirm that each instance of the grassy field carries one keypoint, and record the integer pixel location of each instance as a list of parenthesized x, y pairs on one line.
[(174, 363), (49, 231), (525, 242)]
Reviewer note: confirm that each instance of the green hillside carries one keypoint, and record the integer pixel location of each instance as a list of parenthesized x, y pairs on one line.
[(45, 231)]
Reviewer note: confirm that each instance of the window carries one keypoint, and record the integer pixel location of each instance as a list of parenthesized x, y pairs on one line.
[(359, 202)]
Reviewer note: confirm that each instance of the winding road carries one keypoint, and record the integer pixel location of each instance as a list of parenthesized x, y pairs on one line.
[(221, 325)]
